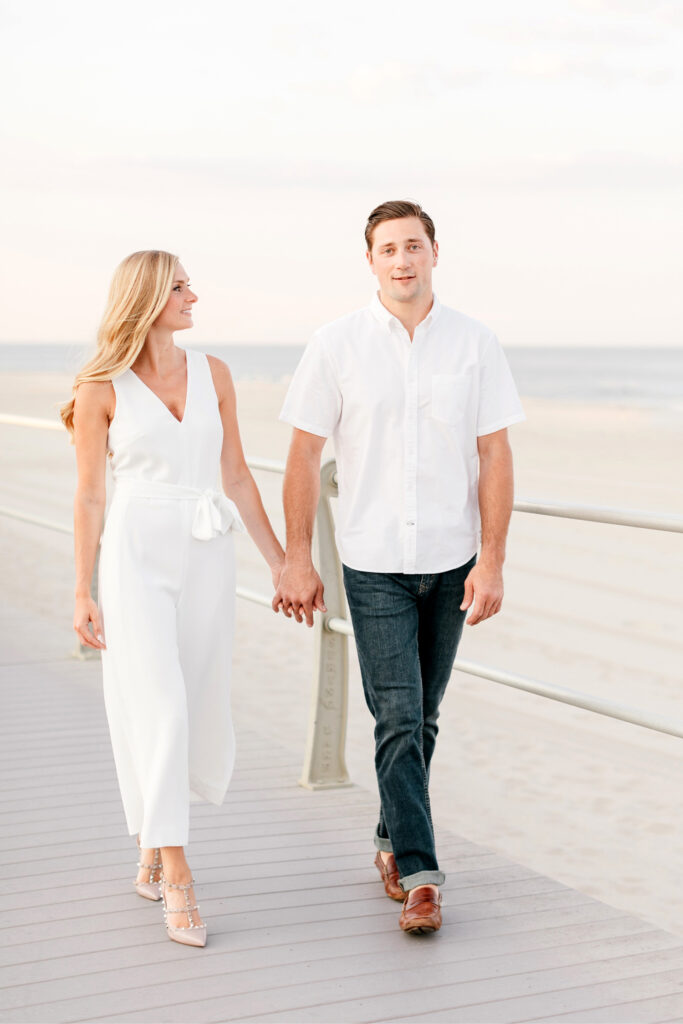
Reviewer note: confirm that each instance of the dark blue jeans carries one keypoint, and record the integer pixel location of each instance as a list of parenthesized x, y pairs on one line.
[(407, 629)]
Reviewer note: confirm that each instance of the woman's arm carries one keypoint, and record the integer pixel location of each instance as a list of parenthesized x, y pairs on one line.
[(92, 414), (238, 483)]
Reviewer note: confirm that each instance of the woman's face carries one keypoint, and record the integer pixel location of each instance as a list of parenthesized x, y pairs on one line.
[(177, 313)]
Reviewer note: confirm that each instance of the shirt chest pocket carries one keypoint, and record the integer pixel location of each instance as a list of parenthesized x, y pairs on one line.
[(452, 395)]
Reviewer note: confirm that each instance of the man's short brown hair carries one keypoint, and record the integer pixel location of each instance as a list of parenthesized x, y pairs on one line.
[(394, 210)]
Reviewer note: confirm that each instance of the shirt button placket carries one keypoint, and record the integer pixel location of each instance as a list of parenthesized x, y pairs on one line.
[(410, 453)]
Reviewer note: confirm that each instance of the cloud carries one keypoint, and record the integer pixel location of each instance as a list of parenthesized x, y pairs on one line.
[(110, 179), (596, 69), (624, 8), (397, 82), (571, 31), (407, 80), (598, 171), (663, 11)]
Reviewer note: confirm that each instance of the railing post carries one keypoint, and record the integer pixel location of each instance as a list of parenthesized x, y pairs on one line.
[(324, 763)]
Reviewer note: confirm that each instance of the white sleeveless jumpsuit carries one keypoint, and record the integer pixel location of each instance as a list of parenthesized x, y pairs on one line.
[(167, 597)]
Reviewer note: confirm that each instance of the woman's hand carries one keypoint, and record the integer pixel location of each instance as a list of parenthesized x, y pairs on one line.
[(85, 614)]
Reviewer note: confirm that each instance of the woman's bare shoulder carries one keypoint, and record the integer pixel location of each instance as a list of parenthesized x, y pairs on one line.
[(222, 378), (93, 396)]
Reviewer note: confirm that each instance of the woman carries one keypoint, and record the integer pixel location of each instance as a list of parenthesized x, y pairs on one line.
[(166, 418)]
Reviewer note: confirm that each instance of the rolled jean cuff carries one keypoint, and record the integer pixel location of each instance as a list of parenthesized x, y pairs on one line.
[(421, 878), (381, 843)]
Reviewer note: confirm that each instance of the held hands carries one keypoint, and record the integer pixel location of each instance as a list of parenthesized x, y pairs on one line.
[(87, 613), (484, 589), (299, 592)]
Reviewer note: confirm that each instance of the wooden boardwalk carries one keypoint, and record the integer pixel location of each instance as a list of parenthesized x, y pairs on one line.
[(299, 928)]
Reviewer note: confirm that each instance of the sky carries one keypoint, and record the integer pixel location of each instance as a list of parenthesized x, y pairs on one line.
[(543, 137)]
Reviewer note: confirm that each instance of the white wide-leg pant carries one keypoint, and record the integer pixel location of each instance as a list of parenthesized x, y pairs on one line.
[(168, 604)]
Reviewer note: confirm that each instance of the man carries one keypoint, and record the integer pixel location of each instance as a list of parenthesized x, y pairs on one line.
[(418, 399)]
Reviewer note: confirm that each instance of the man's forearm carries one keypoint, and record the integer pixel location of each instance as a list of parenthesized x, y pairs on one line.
[(300, 495), (496, 495), (300, 590)]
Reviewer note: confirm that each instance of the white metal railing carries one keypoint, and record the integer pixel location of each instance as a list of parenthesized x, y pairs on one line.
[(324, 762), (30, 421), (603, 514)]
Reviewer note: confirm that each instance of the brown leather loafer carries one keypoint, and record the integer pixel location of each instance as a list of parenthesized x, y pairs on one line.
[(389, 873), (421, 911)]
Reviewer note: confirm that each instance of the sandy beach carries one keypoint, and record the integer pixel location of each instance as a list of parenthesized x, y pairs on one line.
[(591, 802)]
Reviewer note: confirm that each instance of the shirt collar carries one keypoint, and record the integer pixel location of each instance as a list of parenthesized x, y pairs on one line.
[(381, 313)]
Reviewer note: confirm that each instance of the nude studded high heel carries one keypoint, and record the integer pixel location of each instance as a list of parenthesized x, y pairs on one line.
[(189, 934), (151, 890)]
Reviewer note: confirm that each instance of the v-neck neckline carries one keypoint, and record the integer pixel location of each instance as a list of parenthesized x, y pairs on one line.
[(160, 400)]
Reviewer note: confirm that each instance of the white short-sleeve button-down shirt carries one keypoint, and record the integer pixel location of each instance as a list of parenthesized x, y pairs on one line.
[(405, 418)]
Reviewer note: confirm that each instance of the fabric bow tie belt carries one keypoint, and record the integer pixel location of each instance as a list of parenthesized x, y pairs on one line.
[(214, 513)]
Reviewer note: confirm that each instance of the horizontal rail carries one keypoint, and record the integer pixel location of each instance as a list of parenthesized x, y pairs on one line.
[(253, 595), (26, 517), (602, 514), (37, 423), (335, 624), (342, 626), (667, 522), (269, 465), (599, 705), (30, 421)]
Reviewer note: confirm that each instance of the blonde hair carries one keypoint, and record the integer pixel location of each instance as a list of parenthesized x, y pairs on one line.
[(139, 290)]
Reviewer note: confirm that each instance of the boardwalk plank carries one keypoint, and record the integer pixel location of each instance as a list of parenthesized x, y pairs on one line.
[(366, 996), (532, 910), (327, 960), (608, 996), (41, 961), (640, 1012), (50, 810), (543, 893), (239, 951), (318, 876), (263, 832), (359, 976), (62, 795), (299, 926), (269, 891), (312, 860)]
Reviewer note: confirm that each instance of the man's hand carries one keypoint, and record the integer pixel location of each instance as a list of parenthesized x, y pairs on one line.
[(299, 592), (484, 589)]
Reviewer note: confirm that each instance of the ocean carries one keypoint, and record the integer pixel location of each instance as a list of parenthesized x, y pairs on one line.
[(629, 376)]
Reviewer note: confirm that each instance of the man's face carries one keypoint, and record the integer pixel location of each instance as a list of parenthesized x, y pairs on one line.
[(402, 258)]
